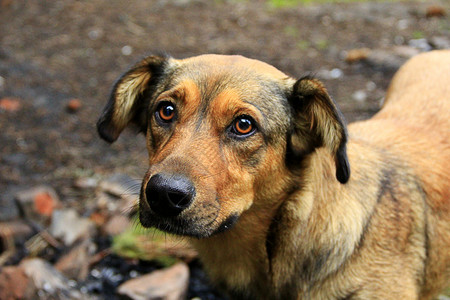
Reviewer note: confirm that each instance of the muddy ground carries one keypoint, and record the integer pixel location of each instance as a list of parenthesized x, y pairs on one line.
[(54, 51)]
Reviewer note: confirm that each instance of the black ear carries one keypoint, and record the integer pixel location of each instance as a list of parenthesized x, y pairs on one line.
[(129, 98), (318, 122)]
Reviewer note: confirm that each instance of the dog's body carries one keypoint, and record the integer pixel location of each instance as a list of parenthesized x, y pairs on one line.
[(253, 165)]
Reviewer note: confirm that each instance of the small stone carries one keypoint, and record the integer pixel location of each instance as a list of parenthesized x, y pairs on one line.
[(74, 105), (385, 61), (49, 282), (96, 273), (371, 86), (95, 33), (359, 96), (15, 284), (134, 274), (127, 50), (44, 204), (38, 203), (440, 42), (421, 44), (86, 183), (68, 226), (15, 159), (435, 11), (405, 51), (167, 284), (99, 218), (8, 206), (14, 231), (356, 55), (2, 83), (335, 73), (10, 104), (75, 264), (116, 225)]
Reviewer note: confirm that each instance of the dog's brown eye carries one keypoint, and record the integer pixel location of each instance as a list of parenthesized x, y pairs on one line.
[(166, 112), (243, 126)]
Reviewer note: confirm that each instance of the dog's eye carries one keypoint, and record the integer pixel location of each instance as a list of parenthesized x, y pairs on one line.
[(243, 126), (165, 112)]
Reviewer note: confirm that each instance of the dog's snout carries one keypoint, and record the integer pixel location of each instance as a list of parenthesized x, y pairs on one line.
[(169, 195)]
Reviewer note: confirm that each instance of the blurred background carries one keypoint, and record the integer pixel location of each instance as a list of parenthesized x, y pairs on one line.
[(66, 198)]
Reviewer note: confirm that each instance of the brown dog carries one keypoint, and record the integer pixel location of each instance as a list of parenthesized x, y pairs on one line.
[(253, 165)]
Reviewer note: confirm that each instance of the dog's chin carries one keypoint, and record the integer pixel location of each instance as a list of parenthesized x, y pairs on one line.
[(186, 227)]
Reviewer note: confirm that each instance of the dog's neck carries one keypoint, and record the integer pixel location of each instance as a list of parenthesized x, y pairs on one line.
[(253, 251), (319, 209), (237, 258)]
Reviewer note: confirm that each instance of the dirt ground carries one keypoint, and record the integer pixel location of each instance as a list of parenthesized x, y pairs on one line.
[(53, 53)]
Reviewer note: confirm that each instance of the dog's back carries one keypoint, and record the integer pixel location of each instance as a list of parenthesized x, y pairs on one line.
[(419, 94), (414, 124)]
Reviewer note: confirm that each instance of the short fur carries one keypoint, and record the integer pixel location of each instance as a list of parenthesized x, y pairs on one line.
[(277, 215)]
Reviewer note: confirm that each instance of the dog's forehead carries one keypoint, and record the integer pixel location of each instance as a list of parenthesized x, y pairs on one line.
[(214, 74), (231, 64)]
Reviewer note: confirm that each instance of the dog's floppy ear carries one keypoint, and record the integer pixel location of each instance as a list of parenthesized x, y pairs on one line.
[(318, 122), (129, 98)]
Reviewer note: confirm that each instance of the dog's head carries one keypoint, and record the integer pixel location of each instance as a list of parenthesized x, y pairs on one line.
[(222, 133)]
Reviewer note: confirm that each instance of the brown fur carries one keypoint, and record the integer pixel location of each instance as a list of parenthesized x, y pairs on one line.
[(277, 215)]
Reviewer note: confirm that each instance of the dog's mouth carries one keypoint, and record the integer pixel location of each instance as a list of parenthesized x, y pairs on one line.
[(185, 225), (171, 202)]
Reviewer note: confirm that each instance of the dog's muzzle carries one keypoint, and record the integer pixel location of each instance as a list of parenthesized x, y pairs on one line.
[(168, 195)]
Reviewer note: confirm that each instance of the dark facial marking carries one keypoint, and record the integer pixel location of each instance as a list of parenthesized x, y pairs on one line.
[(229, 222)]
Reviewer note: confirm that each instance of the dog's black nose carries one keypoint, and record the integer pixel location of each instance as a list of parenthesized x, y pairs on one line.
[(169, 195)]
